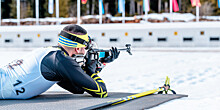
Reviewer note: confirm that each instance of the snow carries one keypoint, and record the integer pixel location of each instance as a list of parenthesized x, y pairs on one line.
[(179, 16), (192, 71), (174, 16), (47, 19), (212, 17), (186, 17)]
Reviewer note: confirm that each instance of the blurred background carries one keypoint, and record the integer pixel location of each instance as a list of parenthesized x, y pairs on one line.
[(142, 23), (65, 11), (175, 38)]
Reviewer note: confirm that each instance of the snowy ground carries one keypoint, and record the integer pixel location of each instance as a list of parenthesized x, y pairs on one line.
[(187, 17), (195, 74)]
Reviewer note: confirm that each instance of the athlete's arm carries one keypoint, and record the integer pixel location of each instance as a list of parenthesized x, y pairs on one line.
[(71, 87), (70, 70)]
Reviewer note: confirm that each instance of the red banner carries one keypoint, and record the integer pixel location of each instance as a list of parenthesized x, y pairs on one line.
[(195, 3), (175, 6), (83, 1)]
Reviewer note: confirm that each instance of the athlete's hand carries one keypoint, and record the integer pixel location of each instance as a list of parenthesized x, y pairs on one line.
[(110, 58), (90, 65)]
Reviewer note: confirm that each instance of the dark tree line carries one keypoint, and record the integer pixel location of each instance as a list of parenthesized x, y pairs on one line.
[(68, 8)]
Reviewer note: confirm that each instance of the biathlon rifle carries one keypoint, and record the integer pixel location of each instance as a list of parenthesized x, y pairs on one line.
[(100, 53)]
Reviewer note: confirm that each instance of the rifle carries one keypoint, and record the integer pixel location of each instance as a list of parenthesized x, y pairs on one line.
[(100, 53)]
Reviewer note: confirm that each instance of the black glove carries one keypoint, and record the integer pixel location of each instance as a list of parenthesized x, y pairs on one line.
[(110, 58), (90, 65)]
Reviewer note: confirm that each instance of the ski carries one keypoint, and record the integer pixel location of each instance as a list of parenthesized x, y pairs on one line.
[(128, 98)]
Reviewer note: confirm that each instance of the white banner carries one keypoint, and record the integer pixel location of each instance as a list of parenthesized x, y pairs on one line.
[(146, 6), (50, 6)]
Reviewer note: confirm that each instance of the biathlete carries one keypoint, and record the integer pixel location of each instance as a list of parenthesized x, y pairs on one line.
[(36, 72)]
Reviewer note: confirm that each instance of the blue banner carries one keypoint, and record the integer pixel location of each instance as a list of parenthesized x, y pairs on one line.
[(103, 10), (218, 3), (121, 6)]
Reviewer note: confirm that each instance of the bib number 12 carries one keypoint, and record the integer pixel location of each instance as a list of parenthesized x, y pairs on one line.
[(22, 90)]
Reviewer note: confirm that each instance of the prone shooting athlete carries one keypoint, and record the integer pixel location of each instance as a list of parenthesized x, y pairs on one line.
[(36, 72)]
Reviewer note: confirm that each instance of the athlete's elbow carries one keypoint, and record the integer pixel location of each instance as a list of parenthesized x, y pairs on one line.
[(100, 94), (106, 95)]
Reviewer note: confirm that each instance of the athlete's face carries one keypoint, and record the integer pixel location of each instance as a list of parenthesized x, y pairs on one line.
[(80, 51)]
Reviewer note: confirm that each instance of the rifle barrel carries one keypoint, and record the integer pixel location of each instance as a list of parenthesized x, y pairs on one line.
[(101, 50)]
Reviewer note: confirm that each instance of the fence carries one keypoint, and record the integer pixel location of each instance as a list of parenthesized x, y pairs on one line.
[(205, 34)]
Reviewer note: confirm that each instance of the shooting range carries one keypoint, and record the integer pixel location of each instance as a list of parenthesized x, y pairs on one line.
[(156, 38)]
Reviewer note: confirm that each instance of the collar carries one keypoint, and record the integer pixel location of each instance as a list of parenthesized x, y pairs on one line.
[(65, 52), (62, 49)]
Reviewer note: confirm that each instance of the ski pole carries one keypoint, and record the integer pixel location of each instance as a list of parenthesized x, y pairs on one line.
[(131, 97), (121, 100)]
